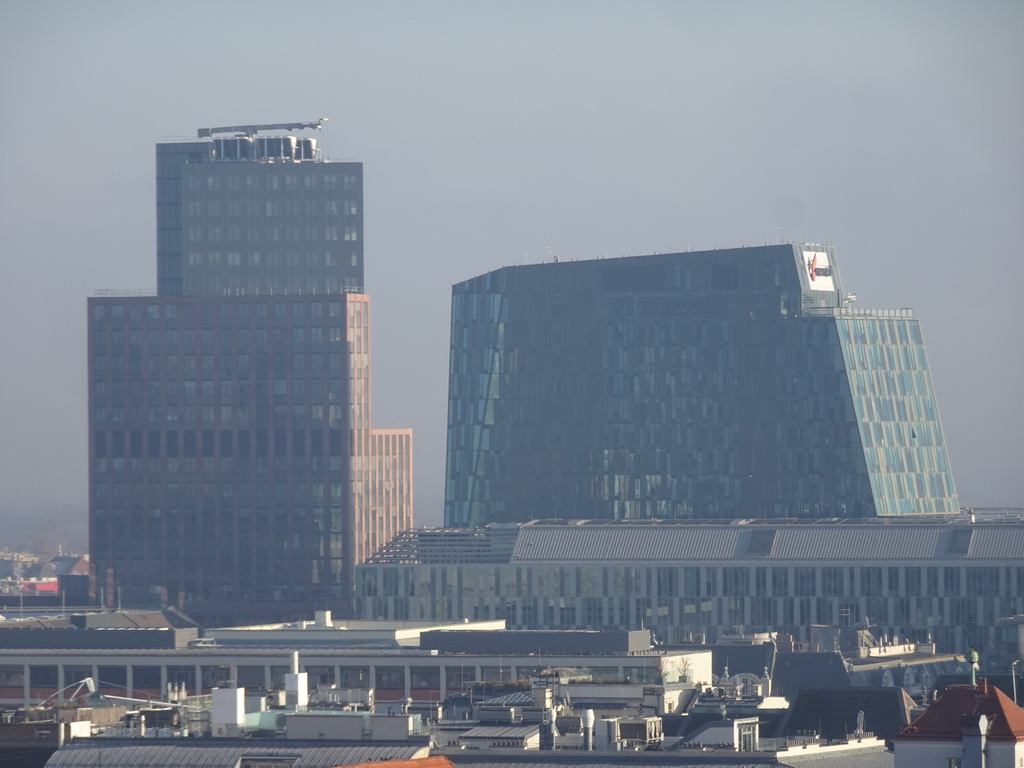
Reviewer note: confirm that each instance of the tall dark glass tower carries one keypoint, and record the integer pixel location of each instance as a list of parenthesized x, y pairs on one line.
[(233, 467), (719, 384)]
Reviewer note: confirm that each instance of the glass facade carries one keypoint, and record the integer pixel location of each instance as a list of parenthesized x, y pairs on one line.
[(237, 216), (231, 452), (233, 469), (724, 384), (898, 420), (686, 602)]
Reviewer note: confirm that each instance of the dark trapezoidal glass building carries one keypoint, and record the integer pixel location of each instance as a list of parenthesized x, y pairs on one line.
[(717, 384)]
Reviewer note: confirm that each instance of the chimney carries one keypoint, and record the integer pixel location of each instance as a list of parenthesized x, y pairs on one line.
[(548, 731), (543, 696), (588, 730), (296, 685), (973, 728)]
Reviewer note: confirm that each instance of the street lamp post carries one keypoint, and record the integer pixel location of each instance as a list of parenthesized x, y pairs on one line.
[(1013, 676)]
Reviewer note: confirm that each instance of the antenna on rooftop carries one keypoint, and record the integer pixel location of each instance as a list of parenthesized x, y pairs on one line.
[(252, 130), (554, 254)]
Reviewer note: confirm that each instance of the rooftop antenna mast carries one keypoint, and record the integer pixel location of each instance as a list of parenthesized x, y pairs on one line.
[(252, 130)]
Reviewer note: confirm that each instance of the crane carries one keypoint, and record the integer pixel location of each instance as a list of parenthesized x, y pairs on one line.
[(88, 683), (95, 698)]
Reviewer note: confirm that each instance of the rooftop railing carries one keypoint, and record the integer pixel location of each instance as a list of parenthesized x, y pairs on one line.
[(902, 313), (121, 292)]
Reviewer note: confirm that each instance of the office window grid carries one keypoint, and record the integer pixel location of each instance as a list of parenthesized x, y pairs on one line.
[(898, 419), (231, 451), (684, 603), (243, 225), (684, 386)]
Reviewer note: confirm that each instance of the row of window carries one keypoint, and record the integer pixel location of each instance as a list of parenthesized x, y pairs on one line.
[(266, 385), (242, 416), (311, 260), (272, 234), (170, 373), (268, 677), (190, 312), (274, 180), (209, 443), (194, 467), (693, 581), (252, 208), (241, 283), (888, 331)]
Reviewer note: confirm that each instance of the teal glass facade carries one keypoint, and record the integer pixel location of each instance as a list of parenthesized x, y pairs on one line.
[(898, 421), (722, 384)]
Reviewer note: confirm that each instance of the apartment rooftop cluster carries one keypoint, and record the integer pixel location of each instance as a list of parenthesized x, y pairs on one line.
[(474, 693)]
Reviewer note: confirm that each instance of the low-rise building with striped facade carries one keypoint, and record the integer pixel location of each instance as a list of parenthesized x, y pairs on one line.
[(948, 579)]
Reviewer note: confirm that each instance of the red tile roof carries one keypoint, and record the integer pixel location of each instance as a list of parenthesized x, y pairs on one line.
[(437, 761), (942, 719)]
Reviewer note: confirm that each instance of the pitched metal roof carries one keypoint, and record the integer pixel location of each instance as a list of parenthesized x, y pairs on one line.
[(866, 758), (152, 753), (650, 541), (514, 699), (832, 712), (525, 731)]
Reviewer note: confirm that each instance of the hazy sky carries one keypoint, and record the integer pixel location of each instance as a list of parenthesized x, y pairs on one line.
[(491, 131)]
